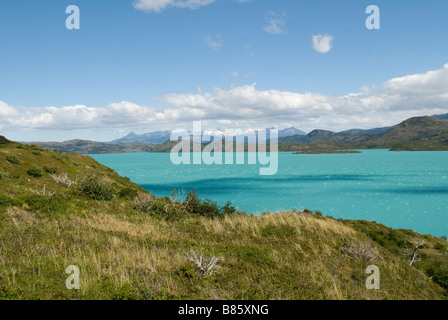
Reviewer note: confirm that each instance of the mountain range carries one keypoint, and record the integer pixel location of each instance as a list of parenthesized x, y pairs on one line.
[(419, 133), (159, 137)]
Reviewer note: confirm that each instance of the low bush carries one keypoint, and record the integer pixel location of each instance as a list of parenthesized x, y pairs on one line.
[(55, 205), (50, 170), (12, 159), (93, 189), (205, 208), (361, 250), (35, 171), (143, 202), (128, 193)]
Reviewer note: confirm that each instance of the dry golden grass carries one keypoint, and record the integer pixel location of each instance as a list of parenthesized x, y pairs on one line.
[(259, 261)]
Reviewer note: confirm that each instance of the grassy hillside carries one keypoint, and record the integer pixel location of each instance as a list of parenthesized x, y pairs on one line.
[(129, 244), (416, 133), (93, 147)]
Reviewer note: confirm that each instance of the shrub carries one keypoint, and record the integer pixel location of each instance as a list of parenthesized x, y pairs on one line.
[(163, 208), (187, 270), (54, 205), (35, 171), (36, 148), (126, 292), (58, 156), (360, 250), (228, 209), (128, 193), (143, 202), (9, 295), (50, 170), (12, 159), (206, 208), (93, 189)]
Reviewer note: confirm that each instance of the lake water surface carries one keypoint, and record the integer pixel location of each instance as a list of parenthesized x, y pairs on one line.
[(399, 189)]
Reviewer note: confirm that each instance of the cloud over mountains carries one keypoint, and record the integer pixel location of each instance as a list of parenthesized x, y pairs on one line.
[(394, 100)]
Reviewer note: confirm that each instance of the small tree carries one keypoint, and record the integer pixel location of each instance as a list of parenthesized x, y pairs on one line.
[(413, 252)]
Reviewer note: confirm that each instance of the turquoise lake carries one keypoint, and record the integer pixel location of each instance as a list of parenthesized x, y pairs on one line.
[(399, 189)]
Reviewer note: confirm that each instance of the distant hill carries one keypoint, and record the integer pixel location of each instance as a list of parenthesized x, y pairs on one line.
[(93, 147), (441, 116), (288, 132), (322, 136), (419, 133), (361, 132), (157, 137), (415, 134)]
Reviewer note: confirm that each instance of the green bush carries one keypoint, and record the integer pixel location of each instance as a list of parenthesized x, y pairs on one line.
[(128, 193), (36, 148), (228, 209), (9, 295), (12, 159), (35, 171), (126, 292), (58, 156), (55, 205), (92, 188), (6, 201), (439, 274), (206, 208), (187, 270), (50, 170)]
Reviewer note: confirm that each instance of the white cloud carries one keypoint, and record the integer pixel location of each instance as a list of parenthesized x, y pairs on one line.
[(249, 50), (160, 5), (322, 43), (277, 23), (387, 104), (214, 43)]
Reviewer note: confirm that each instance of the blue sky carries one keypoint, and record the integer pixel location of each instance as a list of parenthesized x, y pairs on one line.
[(227, 62)]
